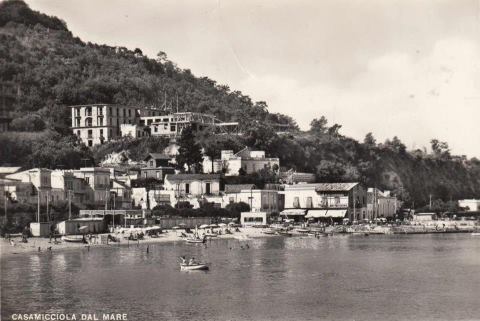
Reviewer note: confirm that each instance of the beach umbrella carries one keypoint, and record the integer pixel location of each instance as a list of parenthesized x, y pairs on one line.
[(222, 224), (203, 226), (175, 227), (182, 224), (213, 225), (82, 228)]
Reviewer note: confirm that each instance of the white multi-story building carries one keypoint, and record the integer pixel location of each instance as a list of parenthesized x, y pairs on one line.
[(98, 123), (325, 200), (250, 161)]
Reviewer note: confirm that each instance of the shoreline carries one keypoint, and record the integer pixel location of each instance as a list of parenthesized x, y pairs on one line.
[(170, 236)]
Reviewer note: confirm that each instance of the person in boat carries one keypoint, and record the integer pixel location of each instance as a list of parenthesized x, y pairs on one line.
[(192, 261), (184, 260)]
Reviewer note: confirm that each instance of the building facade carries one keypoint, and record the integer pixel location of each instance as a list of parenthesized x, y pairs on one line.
[(470, 205), (326, 200), (98, 123), (250, 161)]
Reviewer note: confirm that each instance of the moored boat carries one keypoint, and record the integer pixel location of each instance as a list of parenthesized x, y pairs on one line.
[(269, 232), (284, 233), (193, 267), (475, 234), (73, 239), (195, 240)]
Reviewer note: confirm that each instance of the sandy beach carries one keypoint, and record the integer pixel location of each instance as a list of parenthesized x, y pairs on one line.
[(34, 243)]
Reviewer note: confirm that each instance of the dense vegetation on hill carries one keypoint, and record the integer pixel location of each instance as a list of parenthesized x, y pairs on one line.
[(45, 69)]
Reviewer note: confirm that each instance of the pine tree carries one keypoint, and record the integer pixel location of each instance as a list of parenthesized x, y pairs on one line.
[(189, 152)]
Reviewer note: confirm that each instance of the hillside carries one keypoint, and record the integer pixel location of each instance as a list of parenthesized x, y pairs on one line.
[(44, 68)]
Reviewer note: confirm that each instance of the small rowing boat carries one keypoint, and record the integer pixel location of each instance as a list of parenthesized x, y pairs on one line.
[(73, 239), (284, 233), (195, 240), (475, 234), (269, 232), (193, 267)]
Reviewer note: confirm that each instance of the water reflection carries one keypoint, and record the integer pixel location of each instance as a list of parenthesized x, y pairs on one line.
[(275, 278)]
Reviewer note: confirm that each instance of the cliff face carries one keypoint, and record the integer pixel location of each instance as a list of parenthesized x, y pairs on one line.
[(45, 69)]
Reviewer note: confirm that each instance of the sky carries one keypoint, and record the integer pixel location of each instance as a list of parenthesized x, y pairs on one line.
[(406, 68)]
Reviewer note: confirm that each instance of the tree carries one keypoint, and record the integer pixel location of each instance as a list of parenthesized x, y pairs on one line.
[(236, 208), (318, 126), (189, 152), (28, 123), (333, 131), (440, 149), (370, 141)]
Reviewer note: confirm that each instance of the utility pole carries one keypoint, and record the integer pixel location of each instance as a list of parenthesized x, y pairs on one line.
[(430, 203), (69, 206), (5, 205), (38, 206), (48, 213), (354, 206), (114, 211)]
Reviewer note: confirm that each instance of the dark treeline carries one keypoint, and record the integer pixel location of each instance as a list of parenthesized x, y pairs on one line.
[(44, 68)]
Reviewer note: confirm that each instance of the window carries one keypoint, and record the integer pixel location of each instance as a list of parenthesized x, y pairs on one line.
[(88, 111), (172, 128), (337, 200), (124, 113), (110, 110), (155, 129), (151, 163), (78, 133), (231, 200), (309, 202), (90, 133), (88, 122), (101, 132), (324, 201), (207, 188), (296, 202), (90, 143), (187, 188), (159, 175), (100, 121), (87, 179), (129, 113)]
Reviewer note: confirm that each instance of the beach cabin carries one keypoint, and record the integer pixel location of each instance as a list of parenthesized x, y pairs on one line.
[(423, 217), (81, 225), (253, 218)]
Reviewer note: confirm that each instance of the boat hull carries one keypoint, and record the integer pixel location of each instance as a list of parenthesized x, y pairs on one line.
[(195, 267), (72, 239)]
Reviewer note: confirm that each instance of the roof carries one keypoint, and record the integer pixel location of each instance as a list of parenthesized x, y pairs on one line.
[(192, 177), (236, 188), (158, 156), (326, 187), (9, 170)]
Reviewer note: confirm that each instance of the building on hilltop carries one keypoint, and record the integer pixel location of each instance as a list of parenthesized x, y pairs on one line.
[(98, 123)]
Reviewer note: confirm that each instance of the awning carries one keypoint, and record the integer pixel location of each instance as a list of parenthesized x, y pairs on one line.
[(292, 212), (316, 213), (336, 213)]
